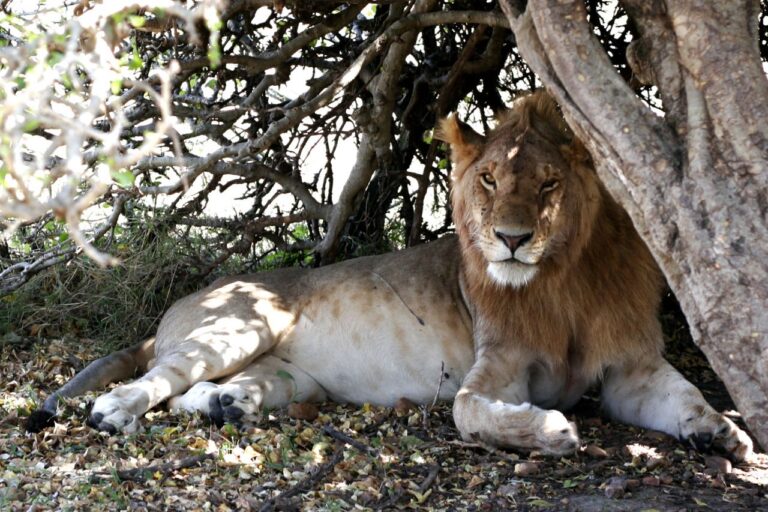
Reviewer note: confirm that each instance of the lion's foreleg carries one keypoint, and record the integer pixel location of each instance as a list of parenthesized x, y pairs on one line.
[(493, 406), (652, 394)]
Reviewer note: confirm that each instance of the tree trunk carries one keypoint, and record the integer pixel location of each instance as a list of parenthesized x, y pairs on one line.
[(695, 181)]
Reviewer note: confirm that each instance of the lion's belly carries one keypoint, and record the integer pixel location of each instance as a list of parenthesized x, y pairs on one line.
[(365, 342)]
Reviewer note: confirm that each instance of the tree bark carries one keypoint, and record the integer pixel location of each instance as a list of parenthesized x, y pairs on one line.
[(694, 181)]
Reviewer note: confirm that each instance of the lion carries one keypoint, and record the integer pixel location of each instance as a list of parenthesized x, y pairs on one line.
[(545, 290)]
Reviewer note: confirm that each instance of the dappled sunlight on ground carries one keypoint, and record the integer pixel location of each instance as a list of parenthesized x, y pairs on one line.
[(346, 458)]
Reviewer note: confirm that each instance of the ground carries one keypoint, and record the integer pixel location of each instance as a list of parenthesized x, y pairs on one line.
[(344, 458)]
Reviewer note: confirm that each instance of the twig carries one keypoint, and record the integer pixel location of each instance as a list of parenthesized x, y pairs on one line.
[(430, 479), (439, 383), (140, 474), (343, 438), (315, 476)]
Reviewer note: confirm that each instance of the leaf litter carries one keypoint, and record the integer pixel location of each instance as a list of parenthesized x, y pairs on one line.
[(338, 457)]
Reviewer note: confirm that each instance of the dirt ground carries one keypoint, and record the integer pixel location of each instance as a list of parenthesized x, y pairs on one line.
[(345, 458)]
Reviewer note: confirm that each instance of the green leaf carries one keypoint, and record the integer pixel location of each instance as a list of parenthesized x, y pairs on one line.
[(229, 430), (54, 58), (135, 63), (214, 55), (442, 164), (137, 21), (31, 125), (66, 81), (63, 237), (569, 484), (117, 86), (123, 177)]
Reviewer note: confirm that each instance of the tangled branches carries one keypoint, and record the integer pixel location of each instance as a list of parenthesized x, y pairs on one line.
[(243, 129)]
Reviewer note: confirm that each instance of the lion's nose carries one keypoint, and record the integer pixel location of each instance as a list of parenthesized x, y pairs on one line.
[(513, 241)]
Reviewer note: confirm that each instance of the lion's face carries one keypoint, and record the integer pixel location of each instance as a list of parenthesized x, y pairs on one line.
[(513, 196)]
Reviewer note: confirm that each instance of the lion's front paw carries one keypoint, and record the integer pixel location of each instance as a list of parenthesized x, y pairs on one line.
[(515, 426), (109, 414), (715, 430), (557, 435)]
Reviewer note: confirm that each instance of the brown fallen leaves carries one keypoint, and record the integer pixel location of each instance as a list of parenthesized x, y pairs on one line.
[(331, 457)]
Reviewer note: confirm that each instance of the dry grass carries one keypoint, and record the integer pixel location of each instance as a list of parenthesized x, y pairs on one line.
[(117, 306)]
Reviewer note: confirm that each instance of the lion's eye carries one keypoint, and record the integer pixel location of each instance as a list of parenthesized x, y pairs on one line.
[(487, 180), (548, 186)]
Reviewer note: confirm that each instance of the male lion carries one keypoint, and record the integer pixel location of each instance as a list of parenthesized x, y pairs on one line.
[(546, 289)]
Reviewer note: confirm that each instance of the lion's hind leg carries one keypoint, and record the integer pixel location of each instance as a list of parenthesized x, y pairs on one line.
[(267, 382)]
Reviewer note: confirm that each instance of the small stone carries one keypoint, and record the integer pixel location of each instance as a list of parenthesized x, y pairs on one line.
[(616, 488), (651, 481), (655, 463), (595, 451), (303, 411), (403, 406), (614, 491), (666, 479), (719, 464), (632, 484), (509, 489), (527, 468)]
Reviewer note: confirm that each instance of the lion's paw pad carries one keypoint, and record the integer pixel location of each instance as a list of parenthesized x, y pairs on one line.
[(110, 418), (717, 431)]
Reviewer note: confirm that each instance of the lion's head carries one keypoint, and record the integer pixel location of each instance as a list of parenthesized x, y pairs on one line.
[(524, 196)]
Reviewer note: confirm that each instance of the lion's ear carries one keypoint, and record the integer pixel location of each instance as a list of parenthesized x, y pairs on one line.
[(465, 142)]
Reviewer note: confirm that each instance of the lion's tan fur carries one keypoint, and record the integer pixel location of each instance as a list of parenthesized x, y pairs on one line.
[(547, 290)]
